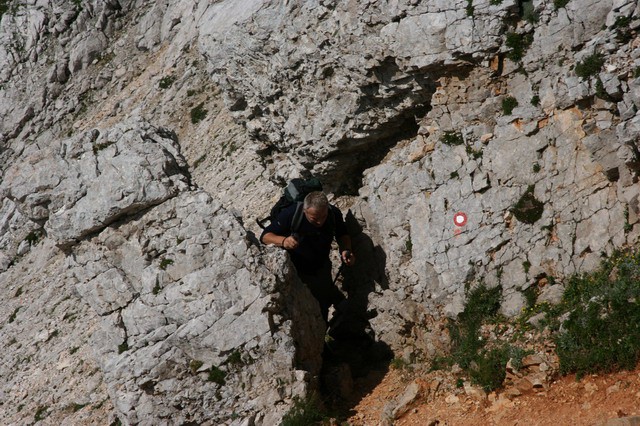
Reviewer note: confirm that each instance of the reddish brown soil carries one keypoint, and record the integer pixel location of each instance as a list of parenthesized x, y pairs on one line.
[(593, 400)]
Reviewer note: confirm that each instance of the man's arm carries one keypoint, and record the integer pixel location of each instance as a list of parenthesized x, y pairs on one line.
[(280, 241)]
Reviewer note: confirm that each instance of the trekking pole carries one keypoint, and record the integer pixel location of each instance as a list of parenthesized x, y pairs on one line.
[(340, 269)]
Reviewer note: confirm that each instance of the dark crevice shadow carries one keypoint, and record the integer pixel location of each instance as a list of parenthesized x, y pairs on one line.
[(354, 361)]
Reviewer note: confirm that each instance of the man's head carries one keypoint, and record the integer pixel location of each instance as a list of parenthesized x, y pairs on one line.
[(316, 208)]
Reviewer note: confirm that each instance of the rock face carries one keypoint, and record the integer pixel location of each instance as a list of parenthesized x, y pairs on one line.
[(185, 307), (548, 184), (139, 140)]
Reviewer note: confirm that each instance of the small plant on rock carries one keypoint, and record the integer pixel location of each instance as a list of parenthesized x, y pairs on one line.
[(167, 81), (4, 7), (622, 27), (529, 13), (40, 413), (508, 104), (452, 138), (528, 209), (560, 3), (590, 66), (165, 262), (535, 100), (518, 43), (198, 113), (469, 8), (304, 412), (123, 347), (194, 365), (217, 375)]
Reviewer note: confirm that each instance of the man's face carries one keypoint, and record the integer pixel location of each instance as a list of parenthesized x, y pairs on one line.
[(316, 217)]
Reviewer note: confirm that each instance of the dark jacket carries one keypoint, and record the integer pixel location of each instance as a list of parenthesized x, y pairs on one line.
[(314, 243)]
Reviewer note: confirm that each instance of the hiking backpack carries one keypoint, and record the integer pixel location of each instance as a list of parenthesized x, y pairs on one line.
[(294, 192)]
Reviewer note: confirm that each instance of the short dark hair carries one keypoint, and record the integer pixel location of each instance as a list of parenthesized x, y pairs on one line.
[(316, 200)]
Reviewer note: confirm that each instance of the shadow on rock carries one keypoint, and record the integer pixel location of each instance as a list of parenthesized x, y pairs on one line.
[(354, 361)]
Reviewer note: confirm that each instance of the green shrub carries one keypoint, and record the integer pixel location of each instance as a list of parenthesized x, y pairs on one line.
[(304, 412), (485, 367), (198, 113), (530, 294), (165, 262), (40, 413), (167, 81), (408, 245), (535, 100), (529, 13), (560, 3), (508, 104), (4, 7), (590, 66), (469, 8), (216, 375), (528, 209), (518, 43), (622, 27), (235, 358), (602, 332), (600, 90), (452, 138), (536, 167), (489, 369), (482, 304), (123, 347), (473, 153)]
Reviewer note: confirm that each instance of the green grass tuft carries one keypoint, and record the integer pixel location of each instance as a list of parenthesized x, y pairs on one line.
[(216, 375), (198, 113), (508, 104), (560, 3), (452, 138), (304, 412), (167, 81), (518, 43), (602, 332), (590, 66), (485, 367)]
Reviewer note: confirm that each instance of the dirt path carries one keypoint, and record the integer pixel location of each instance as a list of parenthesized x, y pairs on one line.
[(594, 400)]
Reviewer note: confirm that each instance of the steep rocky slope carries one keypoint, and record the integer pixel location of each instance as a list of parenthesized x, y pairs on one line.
[(140, 140)]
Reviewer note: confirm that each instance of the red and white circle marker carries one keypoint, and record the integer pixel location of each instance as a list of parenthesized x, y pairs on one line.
[(459, 219)]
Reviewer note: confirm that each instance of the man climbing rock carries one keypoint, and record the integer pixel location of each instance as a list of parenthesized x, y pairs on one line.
[(309, 245)]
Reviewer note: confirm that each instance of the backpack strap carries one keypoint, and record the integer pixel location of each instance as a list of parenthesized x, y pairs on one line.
[(297, 218)]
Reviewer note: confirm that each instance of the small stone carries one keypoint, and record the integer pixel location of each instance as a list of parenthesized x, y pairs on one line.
[(452, 399)]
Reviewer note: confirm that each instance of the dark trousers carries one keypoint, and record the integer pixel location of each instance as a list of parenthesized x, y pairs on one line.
[(323, 289)]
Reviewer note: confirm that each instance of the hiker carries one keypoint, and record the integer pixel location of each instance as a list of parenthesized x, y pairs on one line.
[(310, 245)]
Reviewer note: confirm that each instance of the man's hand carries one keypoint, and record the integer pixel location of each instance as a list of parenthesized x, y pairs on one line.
[(347, 257), (290, 243)]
